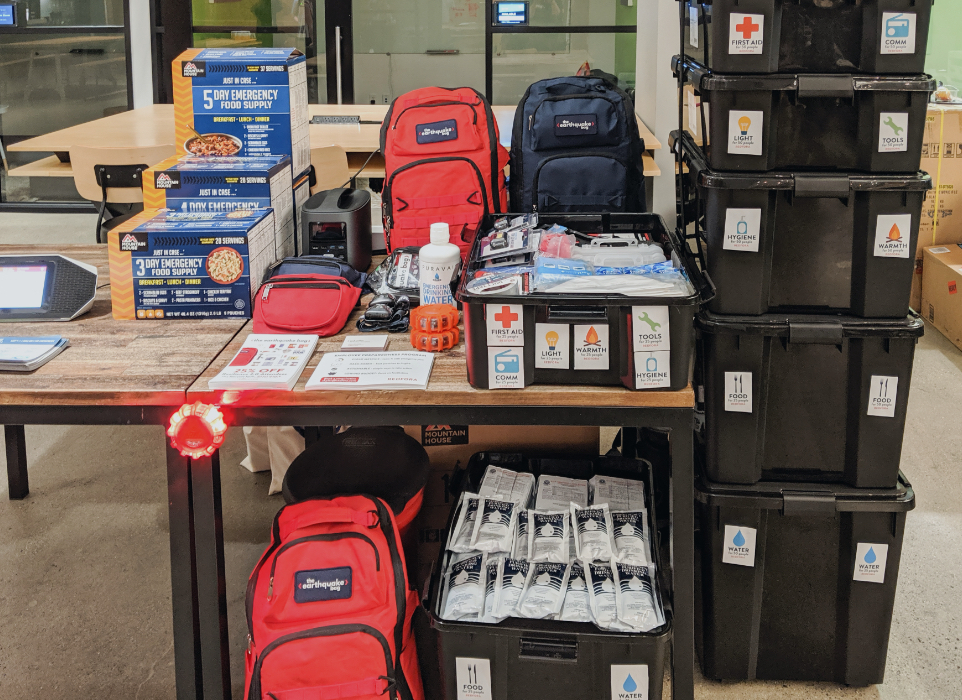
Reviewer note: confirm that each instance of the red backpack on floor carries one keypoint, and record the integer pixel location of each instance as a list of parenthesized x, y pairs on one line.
[(329, 608), (443, 162)]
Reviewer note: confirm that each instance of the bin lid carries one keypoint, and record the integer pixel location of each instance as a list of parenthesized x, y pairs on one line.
[(806, 498), (810, 328)]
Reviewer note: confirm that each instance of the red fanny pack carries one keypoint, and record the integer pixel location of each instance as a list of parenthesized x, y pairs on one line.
[(314, 304)]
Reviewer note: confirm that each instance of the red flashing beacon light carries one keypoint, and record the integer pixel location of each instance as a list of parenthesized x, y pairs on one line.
[(197, 430)]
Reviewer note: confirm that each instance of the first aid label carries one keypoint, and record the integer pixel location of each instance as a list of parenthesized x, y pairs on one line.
[(505, 324), (898, 33), (738, 392), (745, 34), (650, 328), (739, 545), (870, 559), (745, 132), (473, 678), (882, 396), (742, 230)]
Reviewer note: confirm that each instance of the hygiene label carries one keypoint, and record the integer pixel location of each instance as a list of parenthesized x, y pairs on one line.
[(745, 132), (473, 678), (882, 396), (650, 328), (551, 346), (505, 324), (898, 33), (591, 346), (738, 392), (739, 545), (629, 682), (892, 234), (893, 132), (746, 33), (742, 229), (653, 369), (505, 368), (870, 561)]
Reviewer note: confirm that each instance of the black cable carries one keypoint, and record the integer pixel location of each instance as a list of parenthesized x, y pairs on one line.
[(354, 176)]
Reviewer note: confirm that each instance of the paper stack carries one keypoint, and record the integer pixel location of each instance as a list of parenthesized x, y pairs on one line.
[(372, 370), (25, 354), (266, 362)]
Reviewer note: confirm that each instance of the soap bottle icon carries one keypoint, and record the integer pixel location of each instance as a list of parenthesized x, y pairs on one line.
[(651, 364), (742, 227)]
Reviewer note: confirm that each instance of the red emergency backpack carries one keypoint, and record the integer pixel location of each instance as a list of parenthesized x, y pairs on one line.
[(329, 609), (443, 162)]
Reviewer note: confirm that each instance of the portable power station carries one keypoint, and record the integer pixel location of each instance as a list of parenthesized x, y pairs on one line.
[(338, 223)]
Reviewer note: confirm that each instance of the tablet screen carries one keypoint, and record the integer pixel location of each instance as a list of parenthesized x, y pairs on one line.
[(21, 286)]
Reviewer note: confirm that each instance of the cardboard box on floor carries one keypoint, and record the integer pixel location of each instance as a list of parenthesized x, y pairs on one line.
[(941, 283)]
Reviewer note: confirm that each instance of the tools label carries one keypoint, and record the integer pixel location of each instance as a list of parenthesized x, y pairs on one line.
[(745, 133), (898, 33), (882, 396), (742, 229), (653, 370), (505, 324), (551, 346), (650, 328), (746, 34), (738, 392), (506, 368), (870, 561), (739, 545), (893, 132), (591, 347), (892, 235), (473, 678)]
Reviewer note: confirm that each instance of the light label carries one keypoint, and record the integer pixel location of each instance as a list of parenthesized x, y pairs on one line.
[(505, 324), (870, 561), (591, 346), (738, 392), (893, 132), (473, 678), (882, 396), (552, 345), (629, 682), (745, 133), (892, 234), (650, 328), (653, 370), (745, 34), (898, 33), (739, 545), (742, 229), (506, 368)]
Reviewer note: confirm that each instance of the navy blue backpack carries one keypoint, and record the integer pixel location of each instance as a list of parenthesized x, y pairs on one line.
[(575, 147)]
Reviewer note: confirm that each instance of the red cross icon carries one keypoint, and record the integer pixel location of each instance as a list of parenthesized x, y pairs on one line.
[(506, 316), (747, 27)]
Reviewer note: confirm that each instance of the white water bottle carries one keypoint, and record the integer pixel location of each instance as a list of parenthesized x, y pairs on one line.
[(437, 262)]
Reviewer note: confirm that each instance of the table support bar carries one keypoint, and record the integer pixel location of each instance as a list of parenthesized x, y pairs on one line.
[(17, 479)]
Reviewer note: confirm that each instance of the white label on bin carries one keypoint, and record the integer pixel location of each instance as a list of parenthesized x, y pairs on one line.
[(882, 395), (892, 235), (742, 229), (506, 368), (473, 678), (745, 132), (649, 325), (893, 135), (551, 346), (745, 33), (629, 682), (898, 33), (591, 346), (739, 545), (738, 392), (693, 25), (870, 561), (653, 370), (505, 324)]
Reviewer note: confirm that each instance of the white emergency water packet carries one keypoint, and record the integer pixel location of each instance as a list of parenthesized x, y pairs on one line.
[(544, 590), (464, 588), (491, 569), (507, 485), (548, 536), (603, 594), (619, 494), (577, 606), (591, 528), (511, 577), (520, 550), (556, 492), (494, 526), (460, 537), (636, 597), (631, 538)]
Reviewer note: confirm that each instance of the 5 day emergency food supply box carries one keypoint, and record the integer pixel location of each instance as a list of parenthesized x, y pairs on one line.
[(242, 102), (515, 340), (205, 184), (166, 264)]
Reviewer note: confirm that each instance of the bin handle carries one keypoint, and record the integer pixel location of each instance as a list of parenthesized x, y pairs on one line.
[(841, 86), (830, 333), (823, 186)]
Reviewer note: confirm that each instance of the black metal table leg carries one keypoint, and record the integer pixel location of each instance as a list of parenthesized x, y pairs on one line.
[(211, 581), (183, 578), (681, 443), (17, 479)]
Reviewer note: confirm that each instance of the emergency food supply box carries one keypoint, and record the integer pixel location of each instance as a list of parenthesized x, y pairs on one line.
[(809, 36), (809, 242), (242, 102), (872, 123), (202, 184), (513, 341), (545, 659), (167, 264), (806, 397), (798, 580)]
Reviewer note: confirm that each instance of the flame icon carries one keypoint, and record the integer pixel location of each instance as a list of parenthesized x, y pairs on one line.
[(552, 339), (592, 337), (894, 233), (744, 124)]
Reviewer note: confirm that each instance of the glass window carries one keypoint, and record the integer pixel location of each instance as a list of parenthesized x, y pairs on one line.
[(578, 13), (70, 13), (250, 13)]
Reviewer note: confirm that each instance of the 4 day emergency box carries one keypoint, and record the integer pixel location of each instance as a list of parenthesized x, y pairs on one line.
[(167, 264), (242, 102)]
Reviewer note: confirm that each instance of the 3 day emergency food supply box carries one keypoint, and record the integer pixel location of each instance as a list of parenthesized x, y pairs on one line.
[(167, 264), (809, 36), (806, 397), (205, 184), (786, 121), (242, 102), (809, 242), (515, 340)]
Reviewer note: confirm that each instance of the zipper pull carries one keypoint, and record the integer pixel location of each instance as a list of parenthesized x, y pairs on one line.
[(250, 645), (270, 589), (267, 290), (387, 224), (530, 121)]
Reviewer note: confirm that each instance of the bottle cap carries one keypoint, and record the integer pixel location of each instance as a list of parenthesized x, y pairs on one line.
[(440, 233)]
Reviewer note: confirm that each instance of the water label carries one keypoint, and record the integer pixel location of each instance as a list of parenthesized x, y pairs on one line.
[(898, 33), (591, 347), (882, 396), (893, 132), (739, 547), (742, 229), (738, 392), (892, 235), (505, 368), (551, 346), (629, 682), (473, 678), (653, 370), (745, 133), (505, 324), (870, 561), (746, 34), (650, 328)]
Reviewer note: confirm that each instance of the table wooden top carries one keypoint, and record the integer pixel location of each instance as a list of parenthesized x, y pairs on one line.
[(109, 362)]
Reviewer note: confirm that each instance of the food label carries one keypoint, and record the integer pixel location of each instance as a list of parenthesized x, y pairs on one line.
[(742, 229), (870, 561), (738, 392), (473, 678), (745, 133), (898, 33), (505, 324), (882, 396), (893, 132), (551, 346), (892, 235), (653, 369), (739, 545), (591, 346), (650, 328), (629, 682), (506, 368), (745, 33)]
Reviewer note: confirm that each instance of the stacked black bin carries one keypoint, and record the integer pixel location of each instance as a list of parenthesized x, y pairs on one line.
[(806, 198)]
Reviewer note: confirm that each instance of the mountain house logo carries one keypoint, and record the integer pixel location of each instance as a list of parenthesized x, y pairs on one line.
[(194, 69), (436, 132), (133, 242), (444, 435), (746, 34), (575, 124), (892, 236), (893, 132), (166, 181)]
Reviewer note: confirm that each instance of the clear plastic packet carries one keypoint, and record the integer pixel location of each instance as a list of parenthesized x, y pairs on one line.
[(520, 550), (630, 537), (577, 605), (507, 485), (464, 588), (619, 494), (603, 594), (495, 284), (591, 528), (544, 590), (494, 526), (637, 607), (550, 271), (460, 538), (511, 577), (491, 569), (548, 536)]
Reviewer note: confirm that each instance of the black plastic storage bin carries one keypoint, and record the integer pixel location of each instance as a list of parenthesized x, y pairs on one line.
[(811, 242), (582, 312), (813, 122), (798, 581), (546, 659), (811, 36), (814, 398)]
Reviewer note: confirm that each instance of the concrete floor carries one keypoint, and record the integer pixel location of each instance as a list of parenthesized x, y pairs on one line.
[(85, 564)]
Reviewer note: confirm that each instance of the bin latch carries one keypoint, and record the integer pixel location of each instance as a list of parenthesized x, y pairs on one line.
[(557, 649), (824, 186), (808, 503), (815, 333), (842, 86)]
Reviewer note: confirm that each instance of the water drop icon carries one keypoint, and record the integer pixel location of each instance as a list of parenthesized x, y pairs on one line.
[(630, 686), (870, 556), (739, 539)]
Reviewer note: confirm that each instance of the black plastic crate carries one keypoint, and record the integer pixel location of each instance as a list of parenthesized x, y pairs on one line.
[(813, 122), (808, 242), (811, 398), (546, 659), (637, 363), (810, 36), (798, 580)]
